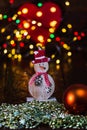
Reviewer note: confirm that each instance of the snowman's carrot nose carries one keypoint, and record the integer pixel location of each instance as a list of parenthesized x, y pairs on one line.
[(42, 67)]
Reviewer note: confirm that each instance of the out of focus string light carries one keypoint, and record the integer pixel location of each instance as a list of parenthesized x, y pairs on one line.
[(4, 45), (69, 53), (11, 1), (52, 36), (40, 4), (78, 36), (58, 61), (63, 30), (69, 26), (22, 33), (53, 9), (25, 10), (67, 3)]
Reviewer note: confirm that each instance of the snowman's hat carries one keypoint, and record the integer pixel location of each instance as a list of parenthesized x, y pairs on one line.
[(40, 57)]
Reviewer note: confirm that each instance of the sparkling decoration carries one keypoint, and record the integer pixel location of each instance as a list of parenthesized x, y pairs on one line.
[(32, 114), (75, 99)]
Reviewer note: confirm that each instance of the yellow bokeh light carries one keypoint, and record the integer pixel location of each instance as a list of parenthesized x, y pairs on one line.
[(13, 51), (26, 24), (64, 30), (69, 25), (39, 14), (39, 24), (3, 30), (22, 31), (66, 47), (52, 56), (14, 17), (51, 30), (12, 42), (40, 38), (5, 51), (9, 55), (69, 60), (49, 40), (31, 52), (25, 10), (18, 34), (53, 23), (19, 38), (33, 27), (67, 3), (57, 67), (25, 33), (69, 53), (19, 59), (75, 38), (19, 12), (19, 56), (53, 9), (57, 61), (31, 64), (4, 65), (1, 17), (31, 46), (34, 22), (28, 37), (8, 37), (15, 30), (15, 56)]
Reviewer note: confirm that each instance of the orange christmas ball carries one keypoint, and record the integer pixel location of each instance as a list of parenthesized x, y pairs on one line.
[(75, 99)]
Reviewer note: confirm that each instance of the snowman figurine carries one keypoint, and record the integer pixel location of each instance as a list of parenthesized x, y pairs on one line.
[(41, 85)]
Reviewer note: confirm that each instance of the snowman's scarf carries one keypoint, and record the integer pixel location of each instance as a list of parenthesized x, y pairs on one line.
[(45, 77)]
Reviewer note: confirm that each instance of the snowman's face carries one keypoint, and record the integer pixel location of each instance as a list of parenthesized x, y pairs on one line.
[(41, 67)]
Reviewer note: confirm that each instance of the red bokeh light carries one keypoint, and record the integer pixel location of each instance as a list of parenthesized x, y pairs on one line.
[(57, 39), (4, 45), (76, 33), (21, 44)]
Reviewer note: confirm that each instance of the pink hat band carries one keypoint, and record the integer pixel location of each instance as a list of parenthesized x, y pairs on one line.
[(41, 60), (40, 57)]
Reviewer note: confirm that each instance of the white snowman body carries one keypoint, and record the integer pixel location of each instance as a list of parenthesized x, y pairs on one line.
[(41, 85)]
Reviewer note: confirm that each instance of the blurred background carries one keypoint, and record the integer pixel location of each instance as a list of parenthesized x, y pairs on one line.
[(62, 35)]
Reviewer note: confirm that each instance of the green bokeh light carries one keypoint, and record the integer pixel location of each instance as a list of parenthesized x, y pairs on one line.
[(52, 36), (17, 21), (5, 16), (39, 4)]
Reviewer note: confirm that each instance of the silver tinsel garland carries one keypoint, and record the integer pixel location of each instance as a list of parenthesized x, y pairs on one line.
[(32, 114)]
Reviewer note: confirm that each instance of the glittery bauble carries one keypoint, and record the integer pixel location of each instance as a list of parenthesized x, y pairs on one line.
[(75, 99)]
